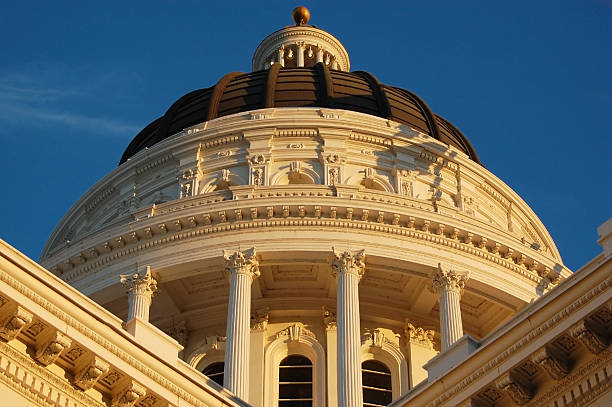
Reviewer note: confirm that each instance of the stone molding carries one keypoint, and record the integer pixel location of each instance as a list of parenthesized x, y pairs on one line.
[(391, 136), (496, 362), (128, 362), (404, 228)]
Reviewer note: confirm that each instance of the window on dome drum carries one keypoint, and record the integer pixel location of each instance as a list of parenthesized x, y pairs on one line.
[(215, 372), (376, 378), (295, 382)]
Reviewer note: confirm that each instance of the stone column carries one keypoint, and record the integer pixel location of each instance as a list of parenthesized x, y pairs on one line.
[(141, 289), (242, 268), (449, 285), (334, 64), (348, 267), (300, 54)]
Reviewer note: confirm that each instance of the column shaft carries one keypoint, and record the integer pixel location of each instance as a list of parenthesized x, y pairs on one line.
[(237, 346), (349, 267), (139, 306), (300, 55), (319, 54), (242, 267), (349, 341), (451, 327)]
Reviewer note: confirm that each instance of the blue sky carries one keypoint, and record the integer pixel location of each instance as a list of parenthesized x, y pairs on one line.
[(528, 82)]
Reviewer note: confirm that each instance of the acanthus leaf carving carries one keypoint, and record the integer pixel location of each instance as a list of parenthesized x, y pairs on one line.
[(419, 336), (554, 364), (50, 347), (294, 332), (14, 319), (518, 390), (590, 336), (88, 374), (128, 395)]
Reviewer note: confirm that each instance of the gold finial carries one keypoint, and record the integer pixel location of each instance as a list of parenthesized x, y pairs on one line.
[(300, 15)]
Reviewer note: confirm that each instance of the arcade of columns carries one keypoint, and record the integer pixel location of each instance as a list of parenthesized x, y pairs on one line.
[(348, 268)]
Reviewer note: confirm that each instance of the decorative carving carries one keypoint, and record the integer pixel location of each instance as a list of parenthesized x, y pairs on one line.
[(410, 223), (179, 332), (238, 214), (222, 216), (419, 336), (295, 145), (381, 217), (425, 227), (226, 153), (87, 375), (140, 284), (445, 278), (270, 212), (258, 159), (187, 182), (259, 320), (590, 336), (333, 211), (35, 329), (329, 319), (555, 365), (14, 318), (365, 215), (242, 262), (317, 211), (50, 348), (518, 390), (440, 229), (396, 219), (348, 262), (128, 395), (258, 176), (301, 211), (74, 353), (285, 211), (141, 289), (253, 213), (332, 158), (294, 332), (207, 219), (334, 174)]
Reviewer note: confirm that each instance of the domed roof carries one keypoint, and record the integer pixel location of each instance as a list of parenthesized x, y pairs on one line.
[(316, 86)]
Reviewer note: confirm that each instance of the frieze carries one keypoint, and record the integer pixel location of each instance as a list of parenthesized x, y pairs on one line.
[(399, 229)]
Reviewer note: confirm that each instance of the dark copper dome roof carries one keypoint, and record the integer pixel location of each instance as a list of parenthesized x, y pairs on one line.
[(317, 86)]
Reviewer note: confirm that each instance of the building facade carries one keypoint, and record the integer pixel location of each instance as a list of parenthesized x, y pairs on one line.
[(303, 235)]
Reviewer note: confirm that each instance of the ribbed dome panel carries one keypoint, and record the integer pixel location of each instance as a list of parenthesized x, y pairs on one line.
[(299, 87)]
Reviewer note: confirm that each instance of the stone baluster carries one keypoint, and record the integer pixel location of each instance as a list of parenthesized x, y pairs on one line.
[(349, 267), (243, 268), (449, 285), (141, 289)]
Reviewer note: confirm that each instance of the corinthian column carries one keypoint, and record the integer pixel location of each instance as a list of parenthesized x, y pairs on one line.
[(242, 268), (348, 267), (449, 285), (141, 289)]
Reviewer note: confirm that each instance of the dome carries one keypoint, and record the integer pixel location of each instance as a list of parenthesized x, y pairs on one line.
[(316, 86)]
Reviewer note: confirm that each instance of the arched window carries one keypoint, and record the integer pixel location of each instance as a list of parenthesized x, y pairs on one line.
[(215, 372), (295, 382), (376, 378)]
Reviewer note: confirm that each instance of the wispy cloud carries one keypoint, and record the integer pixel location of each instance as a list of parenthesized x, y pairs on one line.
[(97, 125), (28, 101)]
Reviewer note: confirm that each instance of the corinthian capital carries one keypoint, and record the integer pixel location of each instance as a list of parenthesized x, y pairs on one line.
[(447, 279), (242, 262), (140, 284), (348, 262)]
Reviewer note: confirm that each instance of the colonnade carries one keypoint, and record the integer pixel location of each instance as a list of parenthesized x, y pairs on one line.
[(301, 49), (347, 267)]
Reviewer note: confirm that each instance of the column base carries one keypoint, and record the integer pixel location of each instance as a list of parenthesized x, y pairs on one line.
[(149, 337), (450, 357)]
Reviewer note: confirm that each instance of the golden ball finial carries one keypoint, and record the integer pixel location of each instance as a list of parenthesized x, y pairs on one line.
[(300, 15)]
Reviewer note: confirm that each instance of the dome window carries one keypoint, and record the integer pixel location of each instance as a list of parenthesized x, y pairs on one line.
[(376, 380)]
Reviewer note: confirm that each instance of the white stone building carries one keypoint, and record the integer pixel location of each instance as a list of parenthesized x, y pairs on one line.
[(304, 236)]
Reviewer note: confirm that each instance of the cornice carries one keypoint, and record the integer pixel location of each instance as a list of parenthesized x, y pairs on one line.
[(403, 222)]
